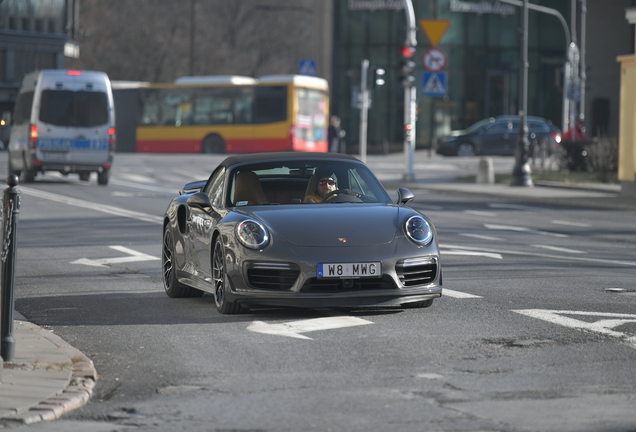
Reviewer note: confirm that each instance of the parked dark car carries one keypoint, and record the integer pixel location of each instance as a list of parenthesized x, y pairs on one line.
[(498, 136)]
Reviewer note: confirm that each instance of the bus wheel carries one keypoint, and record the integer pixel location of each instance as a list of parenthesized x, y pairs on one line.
[(213, 144)]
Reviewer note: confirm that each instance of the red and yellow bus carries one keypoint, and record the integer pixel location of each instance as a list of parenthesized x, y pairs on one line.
[(233, 114)]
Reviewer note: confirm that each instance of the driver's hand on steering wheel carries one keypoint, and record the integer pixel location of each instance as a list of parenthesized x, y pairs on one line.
[(353, 193)]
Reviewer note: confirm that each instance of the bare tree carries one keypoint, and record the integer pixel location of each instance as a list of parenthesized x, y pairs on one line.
[(150, 40)]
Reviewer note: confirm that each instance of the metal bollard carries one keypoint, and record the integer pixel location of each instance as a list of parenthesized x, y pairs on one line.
[(10, 211), (485, 171)]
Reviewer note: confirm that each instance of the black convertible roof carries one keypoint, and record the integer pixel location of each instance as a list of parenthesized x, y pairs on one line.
[(256, 157)]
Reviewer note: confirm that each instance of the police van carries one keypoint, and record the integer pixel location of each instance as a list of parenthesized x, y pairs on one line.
[(64, 120)]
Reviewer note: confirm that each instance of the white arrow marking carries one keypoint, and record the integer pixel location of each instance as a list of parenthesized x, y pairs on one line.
[(603, 326), (293, 329), (458, 294), (134, 257)]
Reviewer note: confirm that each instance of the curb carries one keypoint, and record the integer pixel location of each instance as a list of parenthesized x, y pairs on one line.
[(76, 394)]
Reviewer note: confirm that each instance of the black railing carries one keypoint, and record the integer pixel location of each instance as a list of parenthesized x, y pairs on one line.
[(10, 211)]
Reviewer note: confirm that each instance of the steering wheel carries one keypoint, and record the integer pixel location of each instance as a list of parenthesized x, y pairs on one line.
[(334, 192)]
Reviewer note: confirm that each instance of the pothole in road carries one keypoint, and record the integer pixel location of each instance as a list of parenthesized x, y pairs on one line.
[(518, 343)]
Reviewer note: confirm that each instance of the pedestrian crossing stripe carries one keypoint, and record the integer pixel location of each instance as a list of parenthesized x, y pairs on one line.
[(434, 84)]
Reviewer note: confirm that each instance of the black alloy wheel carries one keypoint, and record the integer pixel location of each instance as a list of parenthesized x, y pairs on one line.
[(172, 286), (218, 275)]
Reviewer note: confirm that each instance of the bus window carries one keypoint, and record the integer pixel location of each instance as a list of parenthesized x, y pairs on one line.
[(270, 104), (221, 106)]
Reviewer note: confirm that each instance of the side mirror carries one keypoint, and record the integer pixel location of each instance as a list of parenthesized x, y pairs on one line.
[(199, 199), (404, 196)]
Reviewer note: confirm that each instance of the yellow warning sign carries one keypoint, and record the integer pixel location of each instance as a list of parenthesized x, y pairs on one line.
[(435, 29)]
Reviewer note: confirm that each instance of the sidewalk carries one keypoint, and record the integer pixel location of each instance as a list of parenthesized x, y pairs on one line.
[(46, 379)]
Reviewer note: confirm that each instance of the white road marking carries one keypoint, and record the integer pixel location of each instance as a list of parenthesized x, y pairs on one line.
[(431, 207), (480, 213), (295, 328), (134, 257), (570, 223), (471, 253), (92, 205), (558, 249), (603, 326), (523, 229), (481, 237), (560, 257), (146, 187), (458, 294), (515, 207)]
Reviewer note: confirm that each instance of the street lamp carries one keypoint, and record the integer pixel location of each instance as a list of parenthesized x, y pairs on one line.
[(521, 173)]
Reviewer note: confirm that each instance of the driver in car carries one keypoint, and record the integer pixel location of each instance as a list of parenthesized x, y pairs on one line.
[(326, 185)]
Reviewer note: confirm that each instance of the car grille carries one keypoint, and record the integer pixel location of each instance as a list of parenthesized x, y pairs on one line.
[(272, 276), (416, 271), (320, 285)]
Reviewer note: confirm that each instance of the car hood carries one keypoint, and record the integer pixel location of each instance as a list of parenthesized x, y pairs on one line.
[(332, 224)]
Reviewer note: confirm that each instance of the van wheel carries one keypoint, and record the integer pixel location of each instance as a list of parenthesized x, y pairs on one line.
[(85, 175), (13, 170), (29, 175), (213, 144), (102, 177)]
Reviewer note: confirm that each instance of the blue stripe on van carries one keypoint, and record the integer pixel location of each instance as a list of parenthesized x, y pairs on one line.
[(72, 144)]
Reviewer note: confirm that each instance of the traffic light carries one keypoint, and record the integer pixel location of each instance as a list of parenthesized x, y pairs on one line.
[(407, 66), (376, 77)]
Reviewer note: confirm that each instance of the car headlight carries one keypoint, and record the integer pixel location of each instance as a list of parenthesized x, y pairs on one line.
[(418, 230), (252, 234)]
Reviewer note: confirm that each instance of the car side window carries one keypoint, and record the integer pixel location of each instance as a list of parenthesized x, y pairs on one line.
[(498, 128), (538, 127), (215, 188)]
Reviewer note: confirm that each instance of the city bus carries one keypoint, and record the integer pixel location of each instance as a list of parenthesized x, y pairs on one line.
[(233, 114)]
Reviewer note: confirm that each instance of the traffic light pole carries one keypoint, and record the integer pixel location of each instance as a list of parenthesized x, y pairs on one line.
[(521, 173), (410, 94)]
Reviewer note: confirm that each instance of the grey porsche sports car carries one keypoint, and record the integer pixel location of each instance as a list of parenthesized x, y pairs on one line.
[(250, 236)]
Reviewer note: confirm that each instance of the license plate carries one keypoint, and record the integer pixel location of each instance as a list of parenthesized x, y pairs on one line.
[(54, 156), (350, 270)]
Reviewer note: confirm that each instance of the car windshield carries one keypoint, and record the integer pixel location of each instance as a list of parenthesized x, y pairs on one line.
[(291, 181), (478, 125)]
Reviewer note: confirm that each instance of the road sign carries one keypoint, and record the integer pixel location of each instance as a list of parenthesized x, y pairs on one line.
[(434, 60), (435, 29), (307, 67), (434, 84)]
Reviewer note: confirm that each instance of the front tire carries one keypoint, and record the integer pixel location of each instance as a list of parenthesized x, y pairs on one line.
[(466, 150), (173, 287), (223, 305)]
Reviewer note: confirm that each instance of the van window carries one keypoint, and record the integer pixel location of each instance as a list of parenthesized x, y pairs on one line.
[(22, 110), (74, 108)]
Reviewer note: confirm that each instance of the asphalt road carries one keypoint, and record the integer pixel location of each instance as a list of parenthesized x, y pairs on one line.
[(536, 331)]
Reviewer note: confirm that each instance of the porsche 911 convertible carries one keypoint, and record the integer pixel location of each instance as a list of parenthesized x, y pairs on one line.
[(249, 236)]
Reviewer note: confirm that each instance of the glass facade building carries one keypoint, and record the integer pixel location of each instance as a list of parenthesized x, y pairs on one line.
[(482, 47)]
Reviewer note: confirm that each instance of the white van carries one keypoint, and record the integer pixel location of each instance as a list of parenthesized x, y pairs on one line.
[(64, 120)]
